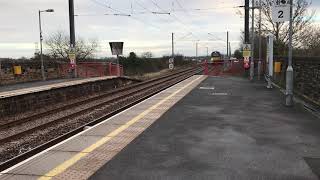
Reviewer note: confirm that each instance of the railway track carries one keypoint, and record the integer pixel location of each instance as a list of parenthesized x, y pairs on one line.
[(17, 129), (60, 123), (11, 123)]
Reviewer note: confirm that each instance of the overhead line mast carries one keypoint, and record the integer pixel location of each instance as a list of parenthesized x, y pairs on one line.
[(246, 22)]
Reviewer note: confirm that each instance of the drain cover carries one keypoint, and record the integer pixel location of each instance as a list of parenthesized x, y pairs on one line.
[(314, 164)]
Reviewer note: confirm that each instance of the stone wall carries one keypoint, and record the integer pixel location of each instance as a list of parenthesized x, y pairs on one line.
[(306, 77), (31, 71), (11, 106)]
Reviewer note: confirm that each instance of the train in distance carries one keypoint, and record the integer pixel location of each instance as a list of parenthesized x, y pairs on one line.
[(216, 56)]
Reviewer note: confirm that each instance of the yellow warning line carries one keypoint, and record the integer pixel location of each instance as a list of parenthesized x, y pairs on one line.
[(65, 165)]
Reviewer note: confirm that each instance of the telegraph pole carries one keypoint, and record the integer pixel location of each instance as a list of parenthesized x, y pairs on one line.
[(72, 33), (172, 45), (230, 52), (289, 74), (227, 44), (41, 54), (252, 45)]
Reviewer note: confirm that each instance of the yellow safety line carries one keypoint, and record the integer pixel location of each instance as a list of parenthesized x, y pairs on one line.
[(65, 165)]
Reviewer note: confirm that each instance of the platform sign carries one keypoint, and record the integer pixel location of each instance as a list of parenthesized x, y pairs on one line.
[(280, 11), (116, 48), (247, 50)]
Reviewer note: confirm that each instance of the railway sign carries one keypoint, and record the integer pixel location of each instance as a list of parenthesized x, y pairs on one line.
[(246, 65), (171, 63), (72, 57), (116, 48), (247, 50), (280, 11), (171, 66), (246, 59)]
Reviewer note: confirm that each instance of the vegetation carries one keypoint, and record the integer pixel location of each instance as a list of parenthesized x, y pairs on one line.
[(237, 54), (135, 65), (58, 47)]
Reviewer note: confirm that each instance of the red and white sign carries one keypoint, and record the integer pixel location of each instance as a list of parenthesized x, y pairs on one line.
[(246, 65), (246, 59)]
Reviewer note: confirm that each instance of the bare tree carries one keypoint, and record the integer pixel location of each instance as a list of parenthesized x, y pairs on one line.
[(302, 19), (58, 46), (311, 41)]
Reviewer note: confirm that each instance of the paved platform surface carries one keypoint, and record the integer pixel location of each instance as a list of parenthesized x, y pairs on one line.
[(81, 156), (226, 129), (12, 87), (25, 88)]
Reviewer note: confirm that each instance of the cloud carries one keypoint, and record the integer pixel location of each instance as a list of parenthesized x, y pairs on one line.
[(142, 32)]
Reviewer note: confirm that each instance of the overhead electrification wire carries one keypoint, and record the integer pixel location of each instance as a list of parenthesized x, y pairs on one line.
[(153, 12), (216, 38), (184, 37), (182, 8), (174, 17), (118, 11), (201, 9), (128, 15)]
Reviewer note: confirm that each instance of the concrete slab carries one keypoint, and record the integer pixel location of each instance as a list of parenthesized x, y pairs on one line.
[(18, 177), (238, 130), (42, 164), (102, 130), (78, 144)]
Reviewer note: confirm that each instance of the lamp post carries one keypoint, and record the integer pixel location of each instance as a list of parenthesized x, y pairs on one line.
[(41, 39), (289, 73)]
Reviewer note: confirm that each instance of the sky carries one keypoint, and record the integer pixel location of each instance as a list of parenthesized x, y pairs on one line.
[(142, 32)]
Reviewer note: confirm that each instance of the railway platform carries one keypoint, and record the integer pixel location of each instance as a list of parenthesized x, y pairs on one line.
[(33, 87), (20, 99), (202, 128)]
